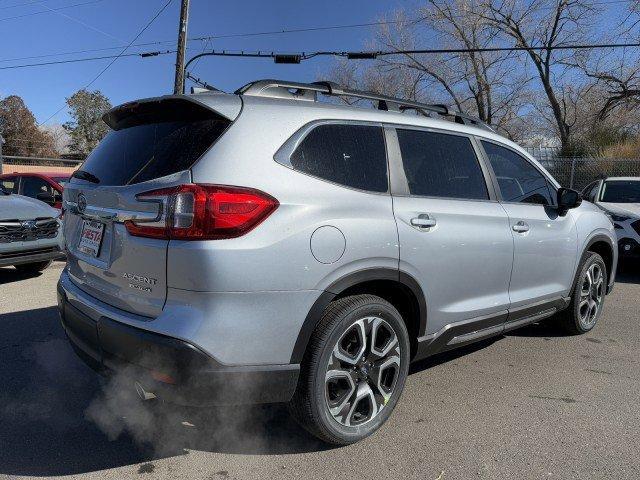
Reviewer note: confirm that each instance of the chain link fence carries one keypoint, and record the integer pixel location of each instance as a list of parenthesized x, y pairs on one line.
[(579, 172)]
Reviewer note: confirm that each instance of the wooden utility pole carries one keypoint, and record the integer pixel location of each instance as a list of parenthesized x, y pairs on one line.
[(182, 45), (1, 142)]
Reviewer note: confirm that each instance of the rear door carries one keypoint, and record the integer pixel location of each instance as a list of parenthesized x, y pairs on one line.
[(152, 146), (545, 243), (454, 237)]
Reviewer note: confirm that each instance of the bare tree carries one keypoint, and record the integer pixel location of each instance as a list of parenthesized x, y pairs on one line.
[(539, 27), (621, 89), (610, 101), (480, 83)]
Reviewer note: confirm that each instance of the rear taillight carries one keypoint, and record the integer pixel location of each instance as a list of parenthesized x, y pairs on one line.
[(203, 212)]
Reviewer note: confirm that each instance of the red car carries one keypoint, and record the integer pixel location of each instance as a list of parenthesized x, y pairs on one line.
[(45, 186)]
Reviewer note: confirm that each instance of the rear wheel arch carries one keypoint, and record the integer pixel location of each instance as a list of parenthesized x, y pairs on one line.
[(398, 288)]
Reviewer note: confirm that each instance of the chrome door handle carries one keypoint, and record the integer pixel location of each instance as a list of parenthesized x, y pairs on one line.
[(423, 221), (520, 227)]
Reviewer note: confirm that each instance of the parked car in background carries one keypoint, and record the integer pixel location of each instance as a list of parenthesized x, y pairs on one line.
[(30, 233), (268, 247), (619, 197), (46, 187)]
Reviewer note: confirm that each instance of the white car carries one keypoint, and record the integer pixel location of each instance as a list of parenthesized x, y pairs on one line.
[(619, 197), (30, 233)]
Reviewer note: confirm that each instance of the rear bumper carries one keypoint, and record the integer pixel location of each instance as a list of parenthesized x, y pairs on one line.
[(172, 369), (31, 256)]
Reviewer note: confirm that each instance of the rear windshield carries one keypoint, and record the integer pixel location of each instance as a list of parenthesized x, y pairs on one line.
[(153, 140)]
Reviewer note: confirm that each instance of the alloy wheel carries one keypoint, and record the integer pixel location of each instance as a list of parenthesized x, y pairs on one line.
[(362, 371), (591, 296)]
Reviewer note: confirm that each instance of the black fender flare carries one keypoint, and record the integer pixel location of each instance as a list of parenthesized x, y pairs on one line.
[(601, 237), (348, 281)]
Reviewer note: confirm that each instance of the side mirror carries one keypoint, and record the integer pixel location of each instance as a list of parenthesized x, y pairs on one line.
[(568, 199), (46, 198)]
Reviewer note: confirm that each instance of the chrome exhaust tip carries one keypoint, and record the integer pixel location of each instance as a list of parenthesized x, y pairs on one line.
[(143, 394)]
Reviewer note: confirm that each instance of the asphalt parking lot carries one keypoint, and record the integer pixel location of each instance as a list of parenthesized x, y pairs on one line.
[(531, 404)]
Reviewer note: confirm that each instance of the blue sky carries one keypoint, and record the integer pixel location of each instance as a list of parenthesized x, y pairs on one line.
[(97, 24), (44, 88)]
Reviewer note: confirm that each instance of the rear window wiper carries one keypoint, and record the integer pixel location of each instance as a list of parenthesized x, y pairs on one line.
[(82, 175)]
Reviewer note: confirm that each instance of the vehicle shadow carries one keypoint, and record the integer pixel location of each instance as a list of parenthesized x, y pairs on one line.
[(10, 275), (451, 355), (546, 330), (58, 418), (629, 273)]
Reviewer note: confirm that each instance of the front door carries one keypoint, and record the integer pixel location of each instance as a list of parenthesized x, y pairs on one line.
[(545, 243)]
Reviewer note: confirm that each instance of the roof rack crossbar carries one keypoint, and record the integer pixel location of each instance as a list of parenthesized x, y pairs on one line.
[(299, 90)]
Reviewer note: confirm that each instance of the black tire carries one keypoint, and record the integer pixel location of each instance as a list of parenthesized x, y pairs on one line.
[(33, 267), (342, 318), (572, 320)]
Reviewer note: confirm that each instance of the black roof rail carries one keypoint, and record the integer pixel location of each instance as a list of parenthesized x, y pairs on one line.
[(309, 91)]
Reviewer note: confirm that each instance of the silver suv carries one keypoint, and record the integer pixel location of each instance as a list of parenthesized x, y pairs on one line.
[(267, 247)]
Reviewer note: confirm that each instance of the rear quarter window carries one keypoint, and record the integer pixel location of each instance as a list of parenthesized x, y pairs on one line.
[(349, 155)]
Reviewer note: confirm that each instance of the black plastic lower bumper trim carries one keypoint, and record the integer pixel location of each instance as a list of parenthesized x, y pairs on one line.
[(31, 257), (172, 369)]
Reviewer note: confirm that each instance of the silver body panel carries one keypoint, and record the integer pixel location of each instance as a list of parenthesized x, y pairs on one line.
[(545, 256), (244, 301), (463, 263)]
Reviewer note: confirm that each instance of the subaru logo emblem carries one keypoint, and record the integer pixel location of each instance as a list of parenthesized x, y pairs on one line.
[(82, 203), (29, 224)]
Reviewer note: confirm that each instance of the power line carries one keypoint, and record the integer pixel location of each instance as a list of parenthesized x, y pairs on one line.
[(354, 55), (115, 58), (50, 10), (88, 59), (247, 34), (73, 52), (205, 38), (293, 57), (76, 20), (298, 30), (6, 7)]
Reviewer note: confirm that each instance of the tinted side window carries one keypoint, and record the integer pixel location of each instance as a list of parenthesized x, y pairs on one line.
[(350, 155), (32, 186), (519, 181), (441, 165)]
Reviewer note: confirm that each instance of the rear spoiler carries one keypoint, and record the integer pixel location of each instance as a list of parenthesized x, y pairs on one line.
[(170, 107)]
